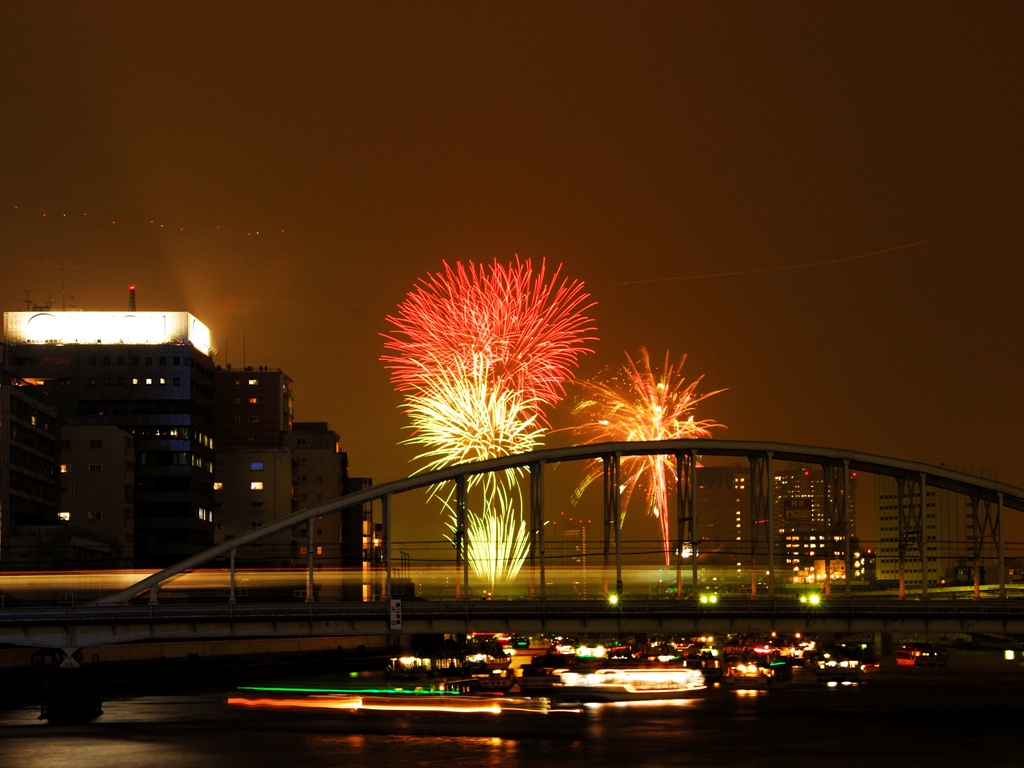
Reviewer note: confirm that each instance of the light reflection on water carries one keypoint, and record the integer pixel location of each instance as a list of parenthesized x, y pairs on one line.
[(907, 717)]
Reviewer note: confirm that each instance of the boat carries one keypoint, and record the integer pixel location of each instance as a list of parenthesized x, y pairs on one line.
[(921, 655), (627, 684)]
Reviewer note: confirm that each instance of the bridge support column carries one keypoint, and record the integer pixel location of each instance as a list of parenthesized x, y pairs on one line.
[(922, 535), (762, 497), (231, 594), (612, 522), (461, 539), (309, 561), (901, 525), (686, 514), (385, 515), (152, 594), (846, 526), (537, 527), (1002, 551)]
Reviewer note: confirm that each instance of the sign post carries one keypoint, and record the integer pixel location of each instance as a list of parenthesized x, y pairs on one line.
[(395, 610)]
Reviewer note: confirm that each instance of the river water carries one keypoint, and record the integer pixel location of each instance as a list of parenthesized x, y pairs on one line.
[(969, 715)]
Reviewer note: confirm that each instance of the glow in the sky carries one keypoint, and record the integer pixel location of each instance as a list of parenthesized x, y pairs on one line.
[(640, 404), (480, 352)]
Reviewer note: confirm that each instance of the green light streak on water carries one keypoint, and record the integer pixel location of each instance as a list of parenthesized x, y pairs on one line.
[(400, 691)]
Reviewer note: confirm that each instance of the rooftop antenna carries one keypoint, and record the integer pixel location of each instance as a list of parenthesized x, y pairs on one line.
[(131, 298), (28, 300)]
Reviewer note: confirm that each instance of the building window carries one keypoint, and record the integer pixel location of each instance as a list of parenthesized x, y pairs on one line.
[(254, 418), (302, 497), (319, 479), (163, 380), (106, 361), (256, 485), (218, 486), (149, 381), (65, 516), (92, 381), (319, 550), (135, 361), (256, 466), (238, 400), (254, 400), (65, 444), (120, 381), (219, 527), (106, 381), (95, 467), (256, 506), (238, 419), (177, 381), (95, 515), (256, 525), (303, 480), (303, 550), (65, 468), (92, 361), (135, 381), (253, 382), (253, 437), (95, 443), (120, 361), (149, 361), (301, 442), (177, 361), (163, 361)]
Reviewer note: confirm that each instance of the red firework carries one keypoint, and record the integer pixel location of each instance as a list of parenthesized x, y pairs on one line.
[(524, 330)]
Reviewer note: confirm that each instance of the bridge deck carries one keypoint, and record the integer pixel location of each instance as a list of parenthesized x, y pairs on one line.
[(104, 624)]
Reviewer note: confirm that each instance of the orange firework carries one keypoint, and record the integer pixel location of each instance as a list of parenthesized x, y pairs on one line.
[(639, 404)]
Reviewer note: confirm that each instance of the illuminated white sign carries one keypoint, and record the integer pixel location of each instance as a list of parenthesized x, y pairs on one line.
[(106, 328)]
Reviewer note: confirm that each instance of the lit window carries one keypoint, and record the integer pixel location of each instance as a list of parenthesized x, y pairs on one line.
[(319, 550), (149, 381), (135, 381), (254, 399), (163, 380), (256, 466), (65, 468), (218, 486), (65, 516), (253, 382), (256, 485)]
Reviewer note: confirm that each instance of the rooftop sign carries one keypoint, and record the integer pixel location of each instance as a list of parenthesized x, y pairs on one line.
[(106, 328)]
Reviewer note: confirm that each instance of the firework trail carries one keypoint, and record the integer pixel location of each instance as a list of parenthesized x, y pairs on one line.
[(639, 404), (480, 353)]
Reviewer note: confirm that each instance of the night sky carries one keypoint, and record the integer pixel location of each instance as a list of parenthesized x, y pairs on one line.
[(304, 165)]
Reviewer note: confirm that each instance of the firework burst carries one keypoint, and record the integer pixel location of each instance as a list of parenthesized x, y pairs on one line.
[(480, 353), (639, 404)]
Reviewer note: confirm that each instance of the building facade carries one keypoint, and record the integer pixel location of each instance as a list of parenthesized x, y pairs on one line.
[(97, 479), (151, 374), (30, 535)]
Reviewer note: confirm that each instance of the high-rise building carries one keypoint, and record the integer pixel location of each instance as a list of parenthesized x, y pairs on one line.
[(151, 374), (97, 479), (30, 534), (949, 547), (723, 513), (255, 481)]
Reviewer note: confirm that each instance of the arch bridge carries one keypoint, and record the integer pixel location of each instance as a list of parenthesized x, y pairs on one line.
[(113, 618)]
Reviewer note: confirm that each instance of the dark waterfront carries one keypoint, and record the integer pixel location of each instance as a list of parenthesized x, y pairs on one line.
[(965, 714)]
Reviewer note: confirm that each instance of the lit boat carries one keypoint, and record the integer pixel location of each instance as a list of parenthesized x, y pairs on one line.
[(748, 676), (612, 684)]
